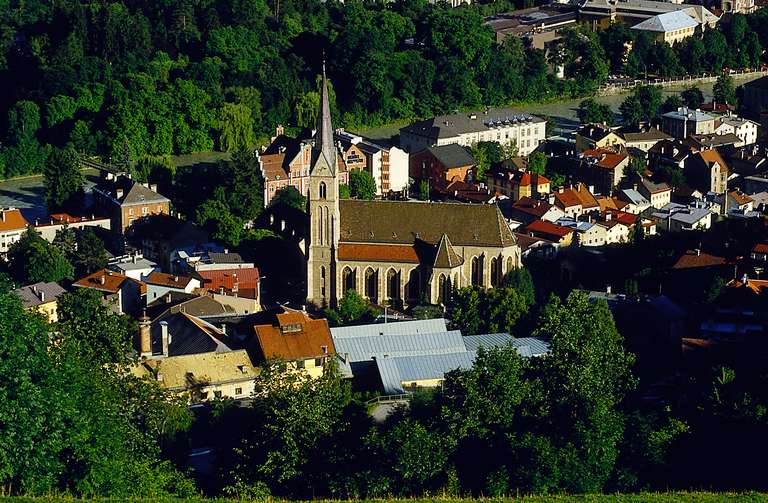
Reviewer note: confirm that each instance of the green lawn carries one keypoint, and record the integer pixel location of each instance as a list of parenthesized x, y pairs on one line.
[(697, 497)]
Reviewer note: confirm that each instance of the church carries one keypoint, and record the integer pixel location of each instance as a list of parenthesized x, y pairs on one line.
[(396, 252)]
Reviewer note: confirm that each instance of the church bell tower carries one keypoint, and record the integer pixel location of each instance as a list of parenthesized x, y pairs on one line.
[(323, 209)]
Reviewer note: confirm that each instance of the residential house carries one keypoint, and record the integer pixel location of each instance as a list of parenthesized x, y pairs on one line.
[(684, 122), (748, 161), (536, 247), (389, 166), (669, 153), (501, 125), (442, 165), (42, 298), (636, 203), (759, 252), (617, 224), (464, 192), (203, 376), (744, 129), (160, 283), (585, 233), (286, 162), (563, 236), (527, 210), (294, 337), (604, 167), (123, 294), (594, 136), (678, 217), (576, 200), (517, 184), (658, 194), (738, 201), (12, 226), (669, 27), (229, 278), (134, 266), (707, 171), (58, 221), (126, 201), (644, 140)]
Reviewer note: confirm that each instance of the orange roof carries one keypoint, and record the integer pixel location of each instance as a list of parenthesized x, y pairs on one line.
[(568, 198), (378, 253), (11, 219), (295, 337), (622, 217), (712, 156), (540, 179), (760, 248), (739, 197), (107, 281), (228, 278), (758, 286), (170, 280), (692, 259), (544, 227)]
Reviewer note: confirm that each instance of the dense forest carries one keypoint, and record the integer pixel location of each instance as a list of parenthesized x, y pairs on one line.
[(128, 79)]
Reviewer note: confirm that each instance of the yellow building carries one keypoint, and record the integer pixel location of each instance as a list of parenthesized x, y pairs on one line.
[(294, 337), (204, 376), (43, 298), (594, 136), (670, 27)]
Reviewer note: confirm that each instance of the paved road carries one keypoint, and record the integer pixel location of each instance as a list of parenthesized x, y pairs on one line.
[(28, 194)]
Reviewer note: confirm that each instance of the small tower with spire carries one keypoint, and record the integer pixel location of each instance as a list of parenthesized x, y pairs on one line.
[(323, 208)]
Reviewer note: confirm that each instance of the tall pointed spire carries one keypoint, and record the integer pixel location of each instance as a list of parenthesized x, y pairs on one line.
[(324, 135)]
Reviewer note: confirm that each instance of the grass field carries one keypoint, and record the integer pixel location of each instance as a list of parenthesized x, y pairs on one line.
[(693, 497)]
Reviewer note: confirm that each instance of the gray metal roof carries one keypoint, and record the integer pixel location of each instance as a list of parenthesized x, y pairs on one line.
[(357, 349), (681, 213), (669, 21), (634, 197), (452, 125), (685, 113), (395, 371), (531, 346), (474, 342), (39, 293), (413, 327)]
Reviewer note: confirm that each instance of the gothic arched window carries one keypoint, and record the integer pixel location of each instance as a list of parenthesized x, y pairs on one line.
[(322, 191)]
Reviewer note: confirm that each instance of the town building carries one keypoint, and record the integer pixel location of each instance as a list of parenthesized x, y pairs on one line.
[(502, 125), (442, 165), (678, 217), (586, 233), (293, 337), (555, 233), (134, 266), (12, 226), (737, 6), (636, 203), (57, 221), (576, 200), (126, 201), (594, 136), (744, 129), (658, 194), (396, 251), (164, 239), (644, 140), (604, 167), (684, 122), (124, 295), (539, 27), (160, 283), (517, 184), (41, 298), (707, 171), (286, 162), (389, 166), (527, 209), (600, 14), (669, 27)]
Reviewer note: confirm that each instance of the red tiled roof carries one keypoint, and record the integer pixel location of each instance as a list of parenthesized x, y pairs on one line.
[(532, 207), (107, 281), (378, 253), (623, 217), (693, 259), (760, 248), (170, 280), (12, 220), (545, 227), (228, 278), (295, 337)]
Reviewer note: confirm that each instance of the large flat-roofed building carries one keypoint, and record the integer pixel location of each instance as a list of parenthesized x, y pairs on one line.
[(501, 125), (387, 165), (538, 26), (684, 122)]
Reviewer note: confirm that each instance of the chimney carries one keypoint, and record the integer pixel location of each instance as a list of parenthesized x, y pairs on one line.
[(165, 337), (608, 289), (2, 212), (698, 252), (279, 130), (103, 279), (608, 217), (118, 193), (42, 296), (224, 328), (745, 279), (145, 337)]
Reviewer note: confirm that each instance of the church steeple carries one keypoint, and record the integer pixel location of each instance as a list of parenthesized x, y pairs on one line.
[(324, 136)]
